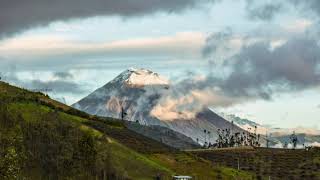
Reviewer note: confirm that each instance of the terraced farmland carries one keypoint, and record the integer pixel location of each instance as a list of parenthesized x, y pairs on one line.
[(265, 163)]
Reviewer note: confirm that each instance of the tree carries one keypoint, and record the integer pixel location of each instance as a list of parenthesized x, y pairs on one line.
[(209, 137), (294, 140), (205, 137), (123, 113)]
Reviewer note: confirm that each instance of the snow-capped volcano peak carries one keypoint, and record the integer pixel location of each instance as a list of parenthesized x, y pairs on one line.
[(138, 92), (141, 77)]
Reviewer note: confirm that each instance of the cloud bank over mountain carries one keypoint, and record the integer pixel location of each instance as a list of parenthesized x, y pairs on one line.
[(247, 68)]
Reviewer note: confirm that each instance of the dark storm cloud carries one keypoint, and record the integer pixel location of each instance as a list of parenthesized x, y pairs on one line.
[(258, 72), (18, 15)]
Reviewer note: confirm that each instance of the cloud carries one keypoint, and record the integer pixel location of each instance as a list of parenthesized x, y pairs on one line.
[(63, 75), (58, 84), (267, 11), (276, 132), (186, 98), (16, 16), (266, 64), (291, 66), (314, 144), (298, 26), (310, 5), (169, 108), (218, 42), (264, 12), (33, 50), (258, 69)]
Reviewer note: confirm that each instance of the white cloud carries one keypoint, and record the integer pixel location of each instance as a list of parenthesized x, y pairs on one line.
[(298, 26), (174, 106), (183, 44), (315, 144), (297, 130), (277, 43)]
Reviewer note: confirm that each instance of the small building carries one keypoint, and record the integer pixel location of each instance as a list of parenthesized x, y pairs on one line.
[(182, 177)]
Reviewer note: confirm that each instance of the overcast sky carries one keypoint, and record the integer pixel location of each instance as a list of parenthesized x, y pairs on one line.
[(262, 56)]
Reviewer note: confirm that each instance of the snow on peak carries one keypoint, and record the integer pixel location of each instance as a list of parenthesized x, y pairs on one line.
[(141, 77), (145, 77)]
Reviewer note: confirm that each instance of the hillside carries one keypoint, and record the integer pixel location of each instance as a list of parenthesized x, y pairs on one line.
[(164, 135), (43, 139)]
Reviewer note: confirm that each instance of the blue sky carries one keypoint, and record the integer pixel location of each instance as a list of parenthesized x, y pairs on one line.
[(94, 49)]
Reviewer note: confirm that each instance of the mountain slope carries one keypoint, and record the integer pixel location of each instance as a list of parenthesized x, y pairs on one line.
[(164, 135), (137, 98), (43, 139), (127, 91)]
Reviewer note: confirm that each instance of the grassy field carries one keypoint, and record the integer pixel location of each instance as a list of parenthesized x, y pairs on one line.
[(44, 139), (265, 163)]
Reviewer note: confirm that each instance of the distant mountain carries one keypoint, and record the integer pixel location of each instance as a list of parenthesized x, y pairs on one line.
[(136, 92), (246, 124), (279, 136)]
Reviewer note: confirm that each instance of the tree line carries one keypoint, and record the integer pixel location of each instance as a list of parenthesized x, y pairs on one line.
[(228, 138)]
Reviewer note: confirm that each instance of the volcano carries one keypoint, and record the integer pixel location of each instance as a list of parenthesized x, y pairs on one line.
[(133, 94)]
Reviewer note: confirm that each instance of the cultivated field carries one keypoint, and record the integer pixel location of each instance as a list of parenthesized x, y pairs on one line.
[(265, 163)]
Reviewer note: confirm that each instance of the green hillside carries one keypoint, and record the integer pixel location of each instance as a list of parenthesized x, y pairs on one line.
[(43, 139)]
